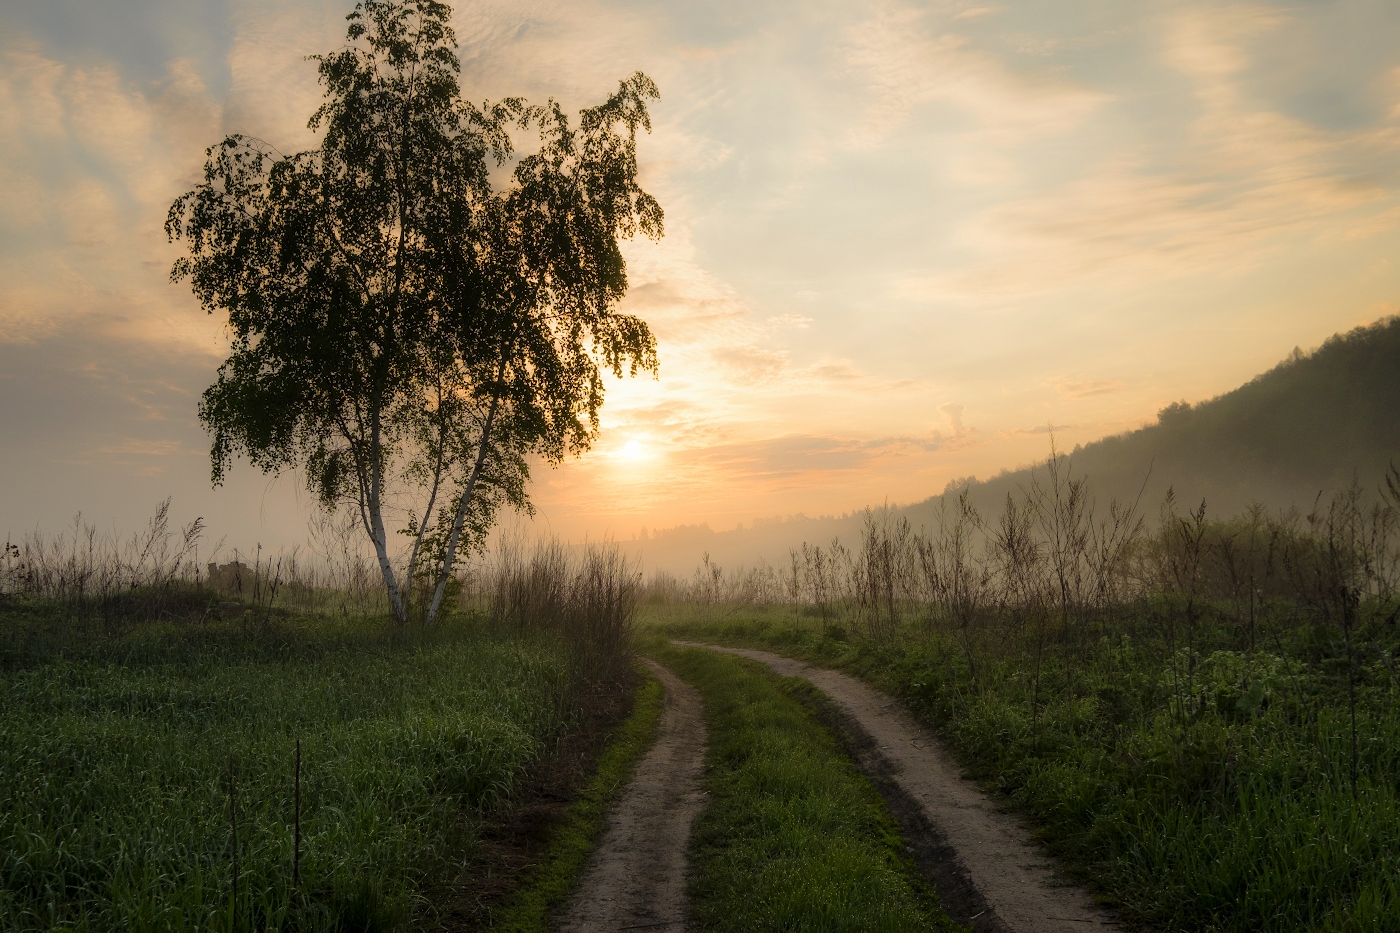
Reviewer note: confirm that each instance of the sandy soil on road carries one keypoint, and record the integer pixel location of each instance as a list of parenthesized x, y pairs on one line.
[(636, 877), (1013, 884)]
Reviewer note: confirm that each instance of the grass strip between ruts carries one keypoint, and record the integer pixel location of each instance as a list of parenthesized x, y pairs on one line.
[(573, 840), (794, 838)]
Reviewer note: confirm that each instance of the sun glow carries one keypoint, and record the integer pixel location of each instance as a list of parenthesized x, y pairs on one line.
[(635, 451)]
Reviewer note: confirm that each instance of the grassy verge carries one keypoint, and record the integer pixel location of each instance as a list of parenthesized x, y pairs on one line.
[(794, 839), (573, 839), (129, 765), (1230, 810)]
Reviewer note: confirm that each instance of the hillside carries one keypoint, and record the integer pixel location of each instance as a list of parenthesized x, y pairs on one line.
[(1305, 427)]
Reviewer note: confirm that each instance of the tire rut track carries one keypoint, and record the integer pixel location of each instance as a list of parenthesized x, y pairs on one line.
[(636, 878)]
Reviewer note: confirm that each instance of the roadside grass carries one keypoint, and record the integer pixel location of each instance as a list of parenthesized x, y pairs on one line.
[(794, 838), (574, 838), (129, 764), (1230, 811)]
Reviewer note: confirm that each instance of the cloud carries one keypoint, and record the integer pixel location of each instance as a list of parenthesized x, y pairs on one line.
[(1041, 429), (87, 167), (1229, 195), (752, 363), (140, 448), (1084, 388), (907, 61), (1206, 43), (86, 381), (954, 414), (789, 457), (836, 371), (789, 320), (974, 12)]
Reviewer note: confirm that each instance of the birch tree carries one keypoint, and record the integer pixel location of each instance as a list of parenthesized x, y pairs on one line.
[(417, 309)]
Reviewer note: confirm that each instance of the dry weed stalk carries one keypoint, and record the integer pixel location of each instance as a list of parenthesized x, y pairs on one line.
[(589, 598)]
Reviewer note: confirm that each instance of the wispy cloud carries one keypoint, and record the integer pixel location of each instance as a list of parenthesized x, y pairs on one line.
[(135, 446), (1227, 195), (910, 58), (1075, 387)]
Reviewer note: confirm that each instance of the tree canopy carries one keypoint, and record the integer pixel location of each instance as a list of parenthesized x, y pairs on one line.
[(400, 320)]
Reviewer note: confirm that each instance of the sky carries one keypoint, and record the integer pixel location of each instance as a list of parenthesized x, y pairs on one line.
[(904, 241)]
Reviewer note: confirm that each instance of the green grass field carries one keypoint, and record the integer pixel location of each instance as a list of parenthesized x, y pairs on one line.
[(1226, 808), (124, 762), (793, 838)]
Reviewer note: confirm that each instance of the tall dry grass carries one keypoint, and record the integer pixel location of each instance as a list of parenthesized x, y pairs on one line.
[(1057, 561), (587, 596), (86, 584), (87, 573)]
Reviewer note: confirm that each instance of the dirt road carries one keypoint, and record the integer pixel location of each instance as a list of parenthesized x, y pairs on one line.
[(636, 877), (1012, 882)]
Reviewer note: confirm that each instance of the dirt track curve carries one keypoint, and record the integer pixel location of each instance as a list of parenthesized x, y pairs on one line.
[(986, 853), (636, 877)]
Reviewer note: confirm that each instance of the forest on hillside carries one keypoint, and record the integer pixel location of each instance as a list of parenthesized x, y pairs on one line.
[(1304, 429)]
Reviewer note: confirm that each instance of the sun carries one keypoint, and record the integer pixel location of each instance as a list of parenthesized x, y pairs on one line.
[(635, 452)]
